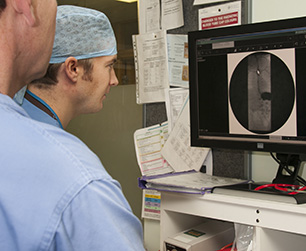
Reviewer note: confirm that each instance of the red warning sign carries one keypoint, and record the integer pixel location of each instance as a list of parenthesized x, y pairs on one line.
[(217, 21)]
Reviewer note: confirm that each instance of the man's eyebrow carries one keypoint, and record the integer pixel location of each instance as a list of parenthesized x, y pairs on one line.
[(112, 61)]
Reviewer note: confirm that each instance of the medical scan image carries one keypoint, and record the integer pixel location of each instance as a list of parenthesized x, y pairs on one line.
[(262, 92)]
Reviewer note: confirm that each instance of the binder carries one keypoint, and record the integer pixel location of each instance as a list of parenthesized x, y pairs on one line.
[(191, 182)]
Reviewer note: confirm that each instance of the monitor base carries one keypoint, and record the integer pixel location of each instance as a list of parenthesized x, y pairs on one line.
[(248, 191)]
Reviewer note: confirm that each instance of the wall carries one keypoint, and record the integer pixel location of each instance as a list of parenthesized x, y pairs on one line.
[(265, 10)]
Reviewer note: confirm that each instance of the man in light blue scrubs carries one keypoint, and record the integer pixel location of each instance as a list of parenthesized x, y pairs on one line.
[(55, 194)]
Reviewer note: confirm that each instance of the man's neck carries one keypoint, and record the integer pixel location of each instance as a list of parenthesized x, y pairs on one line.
[(54, 101)]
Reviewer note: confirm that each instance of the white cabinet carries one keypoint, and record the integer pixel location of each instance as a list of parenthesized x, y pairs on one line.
[(278, 226)]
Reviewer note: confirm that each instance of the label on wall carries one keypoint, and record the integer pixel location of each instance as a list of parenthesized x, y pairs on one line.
[(151, 204)]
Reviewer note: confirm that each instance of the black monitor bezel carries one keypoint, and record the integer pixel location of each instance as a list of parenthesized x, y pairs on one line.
[(232, 143)]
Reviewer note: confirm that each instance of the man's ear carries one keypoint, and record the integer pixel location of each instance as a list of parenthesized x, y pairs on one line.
[(72, 68), (25, 8)]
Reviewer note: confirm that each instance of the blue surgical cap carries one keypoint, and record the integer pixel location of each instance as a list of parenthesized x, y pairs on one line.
[(82, 33)]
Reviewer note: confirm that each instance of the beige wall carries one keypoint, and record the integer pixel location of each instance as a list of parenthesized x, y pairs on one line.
[(265, 10), (109, 134)]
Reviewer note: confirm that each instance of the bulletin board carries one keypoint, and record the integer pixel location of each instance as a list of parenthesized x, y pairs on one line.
[(228, 163)]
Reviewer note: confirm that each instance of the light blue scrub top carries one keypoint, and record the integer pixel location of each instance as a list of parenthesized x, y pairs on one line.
[(55, 193)]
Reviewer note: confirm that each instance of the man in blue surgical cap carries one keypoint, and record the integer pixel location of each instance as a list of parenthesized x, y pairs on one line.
[(90, 211), (81, 71)]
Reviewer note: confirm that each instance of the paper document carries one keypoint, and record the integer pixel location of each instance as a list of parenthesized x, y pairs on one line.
[(149, 16), (175, 98), (177, 150), (222, 15), (172, 14), (156, 15), (187, 182), (148, 144), (178, 60), (151, 67)]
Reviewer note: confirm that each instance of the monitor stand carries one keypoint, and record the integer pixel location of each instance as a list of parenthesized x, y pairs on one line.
[(288, 163), (285, 162)]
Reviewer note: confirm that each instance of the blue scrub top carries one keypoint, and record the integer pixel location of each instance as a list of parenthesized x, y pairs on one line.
[(54, 192)]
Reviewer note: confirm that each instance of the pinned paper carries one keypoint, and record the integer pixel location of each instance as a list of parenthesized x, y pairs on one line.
[(220, 16), (156, 15)]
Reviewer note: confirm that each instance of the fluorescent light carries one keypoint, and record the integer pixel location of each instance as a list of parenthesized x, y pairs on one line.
[(127, 1)]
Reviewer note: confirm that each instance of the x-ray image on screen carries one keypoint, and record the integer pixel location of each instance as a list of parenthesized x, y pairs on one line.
[(261, 93)]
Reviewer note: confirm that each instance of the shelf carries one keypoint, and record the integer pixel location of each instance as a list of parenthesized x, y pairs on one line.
[(181, 211)]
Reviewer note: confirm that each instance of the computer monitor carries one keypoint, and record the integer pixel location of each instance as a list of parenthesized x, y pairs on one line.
[(248, 87)]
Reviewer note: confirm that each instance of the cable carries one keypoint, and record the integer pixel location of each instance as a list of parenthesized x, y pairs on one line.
[(273, 156)]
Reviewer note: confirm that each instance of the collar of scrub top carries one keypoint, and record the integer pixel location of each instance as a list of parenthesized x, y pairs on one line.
[(38, 102)]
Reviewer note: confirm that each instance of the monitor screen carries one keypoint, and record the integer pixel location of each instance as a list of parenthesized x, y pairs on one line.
[(248, 86)]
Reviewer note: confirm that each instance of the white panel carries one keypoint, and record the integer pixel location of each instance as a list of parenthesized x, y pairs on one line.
[(264, 10), (273, 240), (264, 167), (151, 234)]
